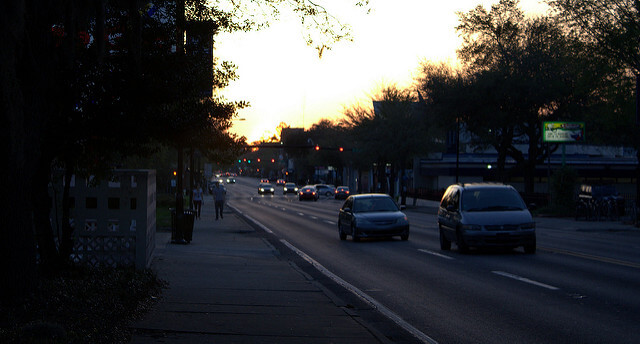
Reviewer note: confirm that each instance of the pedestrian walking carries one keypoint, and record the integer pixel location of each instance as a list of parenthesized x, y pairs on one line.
[(197, 200), (219, 193)]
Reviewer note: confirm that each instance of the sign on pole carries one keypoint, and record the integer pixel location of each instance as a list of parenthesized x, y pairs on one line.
[(562, 132)]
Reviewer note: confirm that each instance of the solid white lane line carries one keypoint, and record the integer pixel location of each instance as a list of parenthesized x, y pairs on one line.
[(313, 217), (526, 280), (264, 228), (301, 214), (436, 254), (373, 302)]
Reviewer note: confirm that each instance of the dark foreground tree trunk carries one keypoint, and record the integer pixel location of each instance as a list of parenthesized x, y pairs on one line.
[(47, 250), (19, 145), (66, 237)]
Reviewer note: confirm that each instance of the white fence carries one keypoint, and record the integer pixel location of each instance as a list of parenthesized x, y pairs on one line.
[(114, 220)]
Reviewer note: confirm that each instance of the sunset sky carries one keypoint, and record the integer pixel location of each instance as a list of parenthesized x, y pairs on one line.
[(285, 81)]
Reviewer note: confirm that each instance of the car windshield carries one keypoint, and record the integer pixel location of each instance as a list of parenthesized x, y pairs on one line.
[(492, 199), (374, 205)]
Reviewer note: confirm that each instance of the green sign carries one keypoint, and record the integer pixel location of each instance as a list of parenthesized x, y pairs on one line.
[(563, 132)]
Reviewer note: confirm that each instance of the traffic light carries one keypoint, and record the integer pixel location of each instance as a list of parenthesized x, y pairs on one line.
[(317, 147), (175, 173), (273, 160), (341, 149), (258, 159)]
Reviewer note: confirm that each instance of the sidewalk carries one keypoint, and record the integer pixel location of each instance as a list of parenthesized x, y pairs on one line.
[(230, 286)]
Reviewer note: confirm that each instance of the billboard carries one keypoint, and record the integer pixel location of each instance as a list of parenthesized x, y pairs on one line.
[(563, 132)]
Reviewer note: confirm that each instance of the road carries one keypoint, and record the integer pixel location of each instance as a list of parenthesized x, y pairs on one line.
[(580, 286)]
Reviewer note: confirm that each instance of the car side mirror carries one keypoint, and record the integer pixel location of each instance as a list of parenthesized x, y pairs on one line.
[(403, 207)]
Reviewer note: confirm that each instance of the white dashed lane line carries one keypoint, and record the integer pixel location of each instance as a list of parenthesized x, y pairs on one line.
[(436, 254), (525, 280)]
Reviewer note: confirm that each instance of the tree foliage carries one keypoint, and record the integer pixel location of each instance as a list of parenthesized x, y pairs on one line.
[(86, 83), (612, 27)]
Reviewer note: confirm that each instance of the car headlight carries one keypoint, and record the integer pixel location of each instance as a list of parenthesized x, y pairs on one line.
[(403, 219), (471, 227), (261, 190), (530, 225), (362, 221)]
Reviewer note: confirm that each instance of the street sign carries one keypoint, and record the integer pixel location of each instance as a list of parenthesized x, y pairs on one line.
[(563, 132)]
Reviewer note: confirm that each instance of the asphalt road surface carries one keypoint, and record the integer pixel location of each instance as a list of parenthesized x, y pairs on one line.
[(580, 286)]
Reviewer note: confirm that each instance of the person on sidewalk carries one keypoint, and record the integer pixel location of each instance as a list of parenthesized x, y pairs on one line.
[(219, 193), (197, 200)]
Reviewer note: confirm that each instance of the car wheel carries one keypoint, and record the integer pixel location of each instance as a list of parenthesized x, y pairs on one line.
[(328, 193), (354, 234), (462, 246), (343, 235), (405, 236), (445, 244), (530, 249)]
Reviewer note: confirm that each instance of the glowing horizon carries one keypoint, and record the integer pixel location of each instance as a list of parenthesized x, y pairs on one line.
[(285, 81)]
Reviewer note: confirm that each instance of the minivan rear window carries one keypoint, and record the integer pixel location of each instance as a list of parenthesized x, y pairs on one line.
[(492, 199)]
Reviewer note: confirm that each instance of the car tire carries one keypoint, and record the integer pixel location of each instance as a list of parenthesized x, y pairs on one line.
[(404, 237), (343, 235), (530, 249), (445, 244), (354, 234), (328, 193), (462, 246)]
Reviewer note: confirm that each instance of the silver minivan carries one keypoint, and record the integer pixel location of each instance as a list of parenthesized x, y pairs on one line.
[(485, 215)]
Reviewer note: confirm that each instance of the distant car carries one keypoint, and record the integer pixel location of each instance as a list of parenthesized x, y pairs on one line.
[(264, 188), (308, 192), (372, 215), (324, 189), (290, 188), (342, 192), (280, 182), (231, 180), (485, 215)]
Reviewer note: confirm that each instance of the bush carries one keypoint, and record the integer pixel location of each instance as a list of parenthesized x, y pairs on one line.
[(81, 305), (563, 186), (163, 215)]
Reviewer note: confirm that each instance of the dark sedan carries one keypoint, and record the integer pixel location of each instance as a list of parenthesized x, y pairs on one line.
[(372, 215), (308, 192), (264, 188), (290, 188), (342, 192)]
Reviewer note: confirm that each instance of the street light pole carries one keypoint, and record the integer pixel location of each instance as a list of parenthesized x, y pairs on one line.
[(457, 150)]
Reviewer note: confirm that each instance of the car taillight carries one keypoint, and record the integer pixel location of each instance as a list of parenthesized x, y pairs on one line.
[(313, 193), (347, 192)]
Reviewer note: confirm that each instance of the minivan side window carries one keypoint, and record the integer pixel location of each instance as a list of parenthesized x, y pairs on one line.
[(446, 199), (455, 200)]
